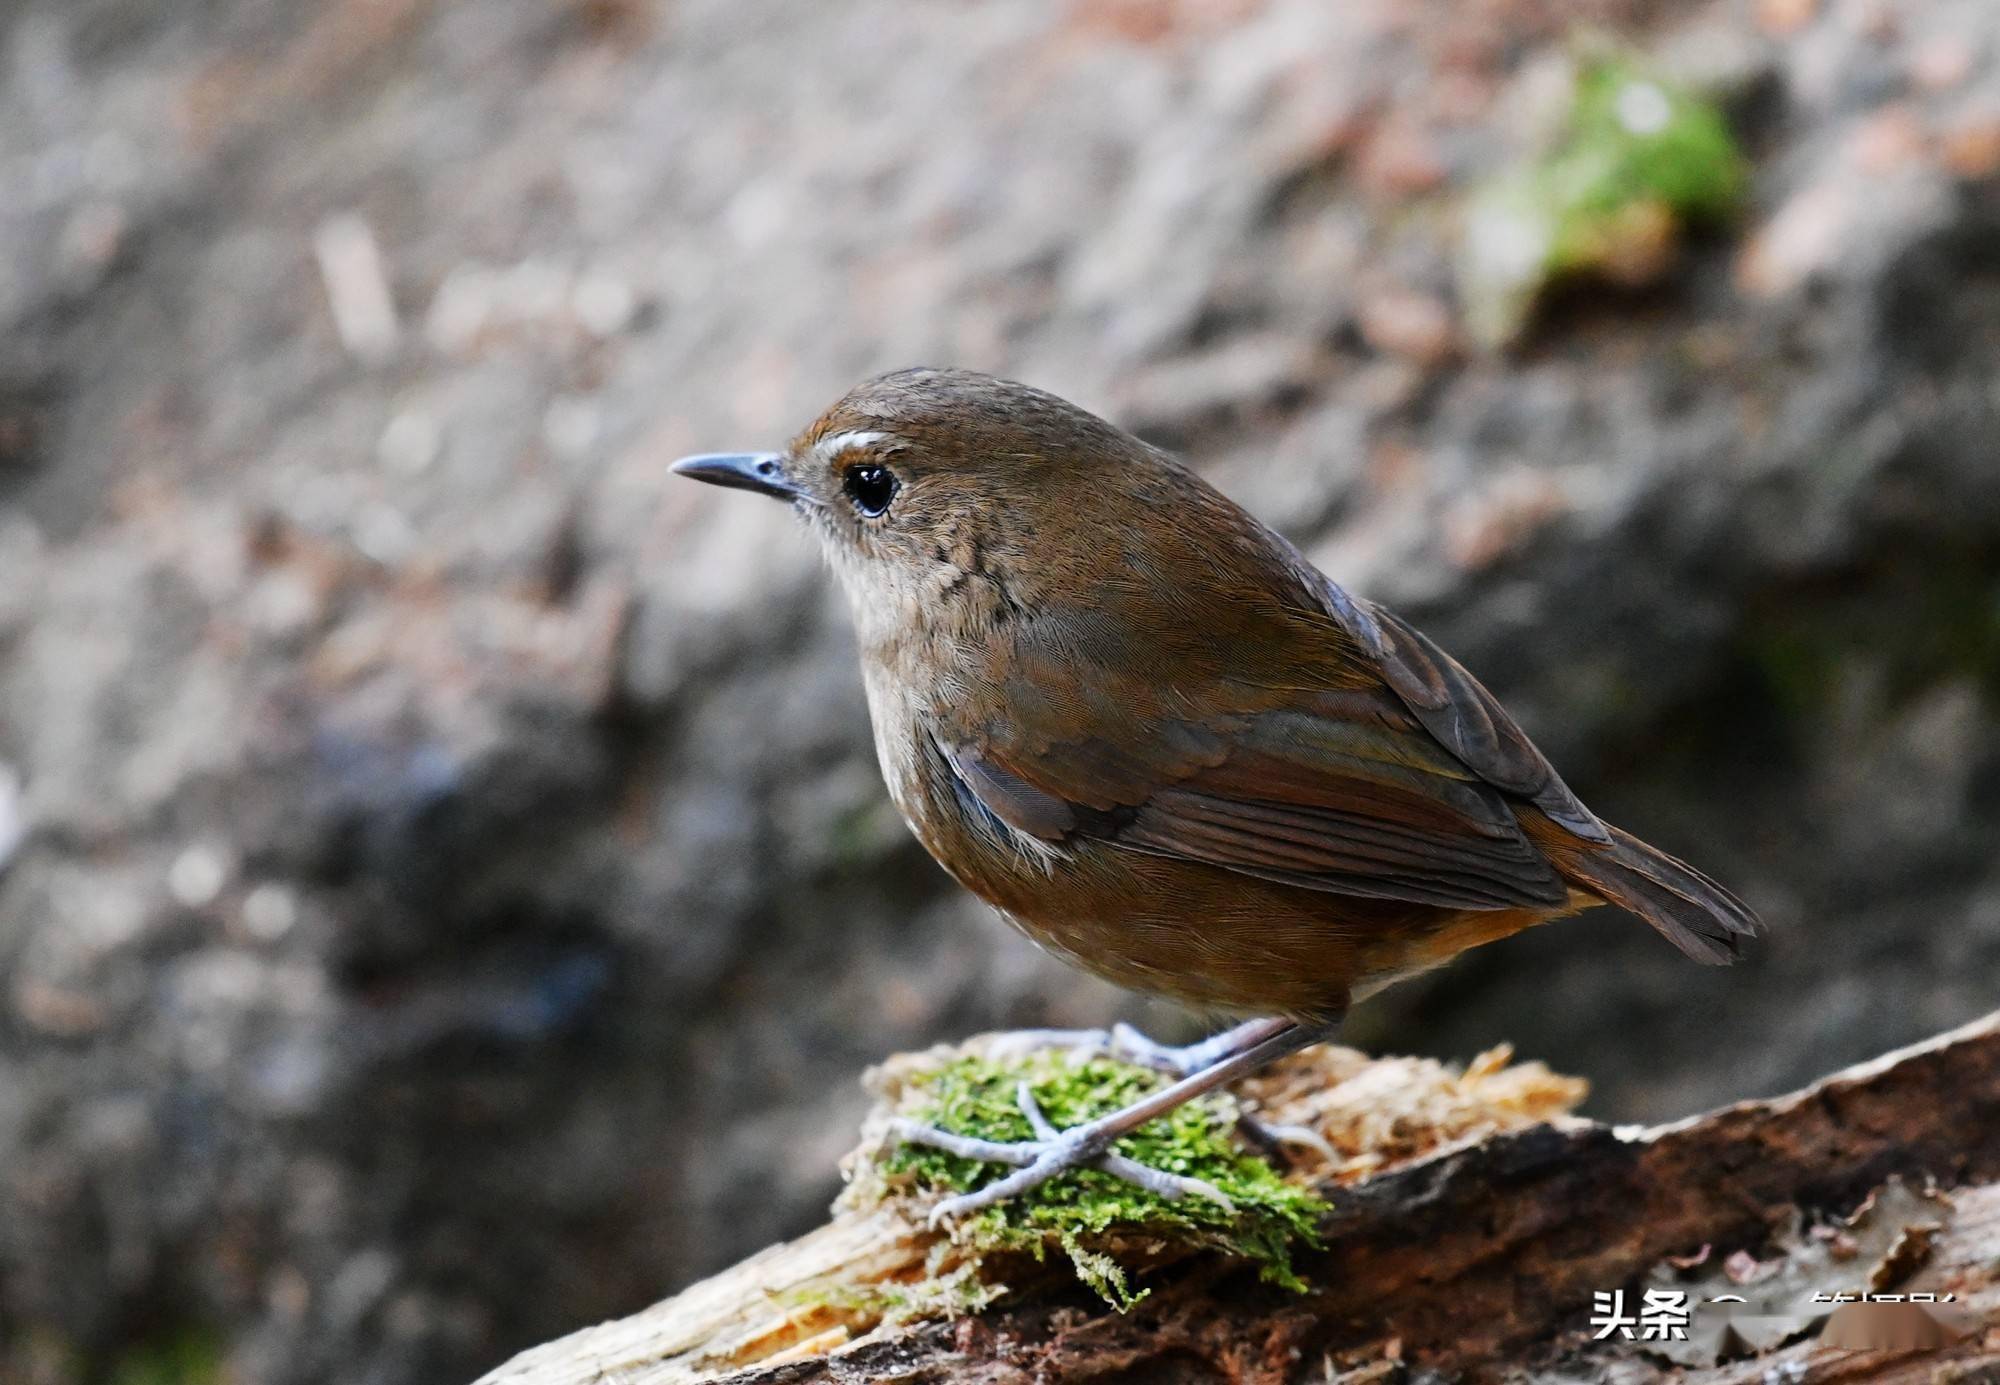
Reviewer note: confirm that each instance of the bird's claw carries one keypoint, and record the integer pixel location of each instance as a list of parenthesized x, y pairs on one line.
[(1050, 1153), (1175, 1060), (1271, 1136), (1121, 1041)]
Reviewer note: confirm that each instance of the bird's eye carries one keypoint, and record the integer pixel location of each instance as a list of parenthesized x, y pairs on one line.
[(871, 488)]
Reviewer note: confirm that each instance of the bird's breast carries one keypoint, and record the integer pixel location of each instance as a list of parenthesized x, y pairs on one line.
[(899, 736)]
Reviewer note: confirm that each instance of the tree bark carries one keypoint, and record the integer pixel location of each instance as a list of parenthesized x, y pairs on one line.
[(1477, 1263)]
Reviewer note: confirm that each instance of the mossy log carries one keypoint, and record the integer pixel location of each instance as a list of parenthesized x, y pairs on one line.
[(1468, 1248)]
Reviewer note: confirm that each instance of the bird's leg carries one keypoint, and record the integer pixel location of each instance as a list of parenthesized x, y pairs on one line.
[(1121, 1040), (1052, 1152), (1128, 1042), (1183, 1059)]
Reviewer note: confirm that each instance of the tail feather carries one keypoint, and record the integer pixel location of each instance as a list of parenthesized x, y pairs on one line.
[(1688, 909)]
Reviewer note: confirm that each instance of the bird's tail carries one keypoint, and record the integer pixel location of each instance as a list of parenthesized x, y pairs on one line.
[(1688, 909)]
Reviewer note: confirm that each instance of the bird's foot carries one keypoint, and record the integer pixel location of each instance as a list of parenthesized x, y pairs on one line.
[(1270, 1137), (1177, 1059), (1050, 1153), (1121, 1040), (1016, 1044)]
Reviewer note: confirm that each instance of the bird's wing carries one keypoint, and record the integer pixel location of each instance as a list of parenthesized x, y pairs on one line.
[(1387, 774), (1461, 715)]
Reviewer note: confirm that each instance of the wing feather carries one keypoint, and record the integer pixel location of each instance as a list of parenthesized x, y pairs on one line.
[(1350, 755), (1470, 722), (1351, 797)]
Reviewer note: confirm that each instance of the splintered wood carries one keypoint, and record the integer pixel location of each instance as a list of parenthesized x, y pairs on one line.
[(1381, 1113), (872, 1272)]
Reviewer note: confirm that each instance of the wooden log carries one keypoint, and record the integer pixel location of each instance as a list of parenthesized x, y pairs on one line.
[(1478, 1261)]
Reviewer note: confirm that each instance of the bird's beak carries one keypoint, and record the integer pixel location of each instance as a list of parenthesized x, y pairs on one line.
[(763, 472)]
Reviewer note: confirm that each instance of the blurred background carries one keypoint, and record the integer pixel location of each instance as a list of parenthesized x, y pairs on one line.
[(448, 893)]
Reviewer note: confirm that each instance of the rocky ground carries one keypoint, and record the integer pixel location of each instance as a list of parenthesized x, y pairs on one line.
[(449, 892)]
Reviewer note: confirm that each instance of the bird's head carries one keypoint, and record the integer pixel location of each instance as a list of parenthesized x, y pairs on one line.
[(931, 487)]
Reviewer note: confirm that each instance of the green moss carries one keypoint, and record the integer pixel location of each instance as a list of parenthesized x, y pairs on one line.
[(1639, 157), (1638, 138), (944, 1294), (1089, 1215)]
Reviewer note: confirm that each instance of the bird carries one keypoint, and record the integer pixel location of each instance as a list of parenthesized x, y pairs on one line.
[(1136, 721)]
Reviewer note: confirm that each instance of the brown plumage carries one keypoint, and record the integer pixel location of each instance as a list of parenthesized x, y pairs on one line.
[(1119, 708)]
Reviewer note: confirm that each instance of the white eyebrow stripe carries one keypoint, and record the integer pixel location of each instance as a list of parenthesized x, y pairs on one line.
[(831, 446)]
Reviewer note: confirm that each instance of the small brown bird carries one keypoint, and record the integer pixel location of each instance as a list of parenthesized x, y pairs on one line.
[(1117, 707)]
